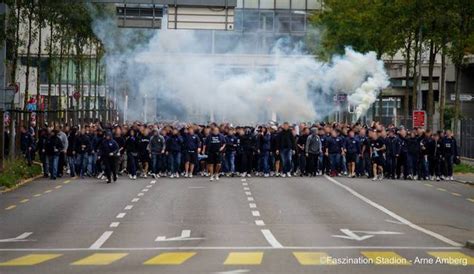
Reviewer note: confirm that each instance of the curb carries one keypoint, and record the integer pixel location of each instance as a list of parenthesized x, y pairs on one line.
[(470, 244), (24, 182)]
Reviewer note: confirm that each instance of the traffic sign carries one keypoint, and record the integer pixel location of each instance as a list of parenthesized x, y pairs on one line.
[(419, 118)]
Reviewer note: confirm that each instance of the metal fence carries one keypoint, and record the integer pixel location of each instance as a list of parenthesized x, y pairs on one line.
[(466, 142)]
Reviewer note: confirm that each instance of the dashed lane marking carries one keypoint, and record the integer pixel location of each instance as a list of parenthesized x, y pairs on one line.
[(252, 205), (456, 194), (37, 195), (246, 188), (430, 185), (255, 213), (10, 207), (386, 258), (128, 207), (67, 182), (170, 258), (244, 258), (100, 259), (259, 222), (149, 186), (48, 191), (134, 200), (248, 193), (58, 186), (250, 199), (145, 190), (24, 201), (312, 258), (470, 199), (31, 259), (441, 189), (114, 224), (121, 215), (140, 194)]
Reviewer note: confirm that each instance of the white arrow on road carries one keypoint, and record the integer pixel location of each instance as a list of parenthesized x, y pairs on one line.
[(185, 236), (20, 238), (351, 234)]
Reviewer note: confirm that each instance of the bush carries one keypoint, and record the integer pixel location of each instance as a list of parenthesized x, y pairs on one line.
[(17, 170), (463, 168)]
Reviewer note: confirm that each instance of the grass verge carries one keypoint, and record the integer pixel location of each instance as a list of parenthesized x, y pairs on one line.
[(14, 171), (464, 168)]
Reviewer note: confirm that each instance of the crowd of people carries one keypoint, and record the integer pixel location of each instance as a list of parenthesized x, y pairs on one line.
[(173, 150)]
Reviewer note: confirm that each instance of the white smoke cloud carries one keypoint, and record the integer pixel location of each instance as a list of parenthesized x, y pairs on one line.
[(190, 85)]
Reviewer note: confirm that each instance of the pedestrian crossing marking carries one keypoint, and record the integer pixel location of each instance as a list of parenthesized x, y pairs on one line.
[(244, 258), (170, 258), (453, 258), (31, 259), (10, 207), (312, 258), (386, 258), (100, 259)]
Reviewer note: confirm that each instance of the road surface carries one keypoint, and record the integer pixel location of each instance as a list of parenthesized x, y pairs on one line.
[(235, 225)]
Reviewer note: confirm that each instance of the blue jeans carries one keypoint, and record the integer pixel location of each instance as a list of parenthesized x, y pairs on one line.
[(335, 161), (132, 164), (265, 161), (230, 160), (174, 159), (92, 159), (53, 165), (156, 163), (81, 162), (286, 159), (72, 165), (412, 164)]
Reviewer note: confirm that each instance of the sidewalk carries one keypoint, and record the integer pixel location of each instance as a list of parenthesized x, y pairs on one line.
[(465, 178)]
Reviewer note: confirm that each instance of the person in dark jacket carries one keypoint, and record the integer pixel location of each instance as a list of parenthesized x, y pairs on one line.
[(393, 153), (425, 141), (450, 153), (377, 153), (214, 147), (41, 146), (264, 141), (300, 150), (313, 150), (157, 150), (174, 146), (143, 154), (108, 150), (192, 147), (27, 145), (230, 151), (82, 149), (54, 146), (402, 161), (120, 139), (334, 150), (352, 149), (286, 148), (436, 157), (131, 146), (71, 151), (413, 155)]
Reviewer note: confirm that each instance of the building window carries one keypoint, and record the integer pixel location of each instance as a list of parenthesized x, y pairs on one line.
[(266, 21), (251, 20), (298, 21), (282, 4), (283, 21)]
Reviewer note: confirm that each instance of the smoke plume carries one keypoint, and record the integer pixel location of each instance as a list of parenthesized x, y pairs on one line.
[(174, 74)]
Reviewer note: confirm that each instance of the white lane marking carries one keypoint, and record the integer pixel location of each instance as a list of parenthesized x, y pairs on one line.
[(238, 248), (244, 180), (121, 215), (245, 184), (246, 188), (259, 222), (394, 215), (153, 182), (114, 224), (196, 187), (255, 213), (140, 194), (271, 239), (104, 237), (248, 193), (128, 207), (21, 238), (252, 205), (145, 189), (148, 186), (134, 200), (250, 199), (237, 271)]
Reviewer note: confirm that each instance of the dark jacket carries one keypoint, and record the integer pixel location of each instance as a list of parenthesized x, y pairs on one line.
[(286, 140), (174, 143), (53, 145), (264, 142)]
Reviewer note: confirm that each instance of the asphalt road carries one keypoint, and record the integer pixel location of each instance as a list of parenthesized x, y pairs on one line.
[(255, 225)]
